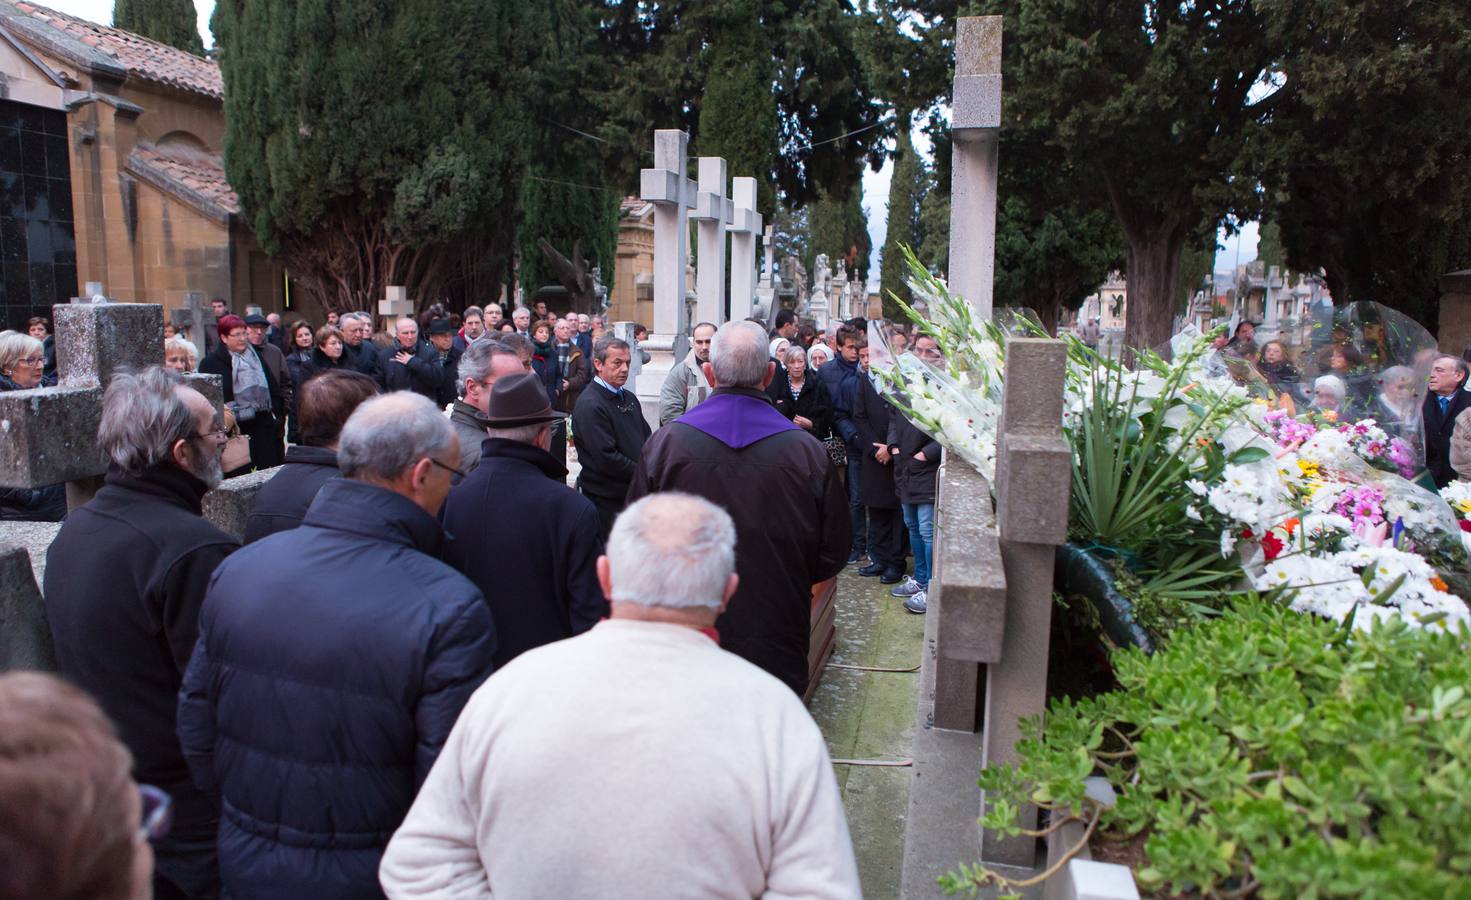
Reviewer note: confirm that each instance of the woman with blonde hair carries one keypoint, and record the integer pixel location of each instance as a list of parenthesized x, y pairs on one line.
[(180, 355)]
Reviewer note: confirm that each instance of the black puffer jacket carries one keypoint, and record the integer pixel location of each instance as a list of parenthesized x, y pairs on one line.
[(283, 502), (317, 713)]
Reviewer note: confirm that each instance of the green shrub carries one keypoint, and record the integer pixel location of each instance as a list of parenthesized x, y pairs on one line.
[(1267, 753)]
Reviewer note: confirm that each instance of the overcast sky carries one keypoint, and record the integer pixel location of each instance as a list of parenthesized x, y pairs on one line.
[(875, 184)]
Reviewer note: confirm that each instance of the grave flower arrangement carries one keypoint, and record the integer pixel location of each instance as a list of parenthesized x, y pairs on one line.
[(1190, 489)]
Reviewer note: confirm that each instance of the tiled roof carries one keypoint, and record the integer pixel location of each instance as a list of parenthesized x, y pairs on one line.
[(199, 177), (140, 56)]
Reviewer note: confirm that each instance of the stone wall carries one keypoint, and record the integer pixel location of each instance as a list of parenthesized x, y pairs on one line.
[(1455, 312)]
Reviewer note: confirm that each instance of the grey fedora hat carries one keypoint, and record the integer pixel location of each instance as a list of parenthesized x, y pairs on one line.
[(517, 400)]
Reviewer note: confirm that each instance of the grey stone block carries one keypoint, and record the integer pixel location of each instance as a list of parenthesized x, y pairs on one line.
[(1033, 482), (969, 587), (25, 636), (94, 340), (49, 435), (229, 505), (1033, 400), (35, 537), (209, 386), (978, 45), (977, 102)]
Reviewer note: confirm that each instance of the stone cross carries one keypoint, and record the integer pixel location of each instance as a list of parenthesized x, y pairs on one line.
[(842, 301), (673, 194), (194, 319), (713, 212), (975, 122), (50, 434), (395, 304), (768, 272), (743, 231)]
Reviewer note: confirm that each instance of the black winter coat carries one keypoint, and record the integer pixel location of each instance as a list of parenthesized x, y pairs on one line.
[(125, 579), (813, 402), (422, 374), (283, 501), (840, 377), (449, 369), (914, 481), (332, 662), (364, 358), (1438, 431), (609, 435), (871, 417), (548, 589), (793, 529)]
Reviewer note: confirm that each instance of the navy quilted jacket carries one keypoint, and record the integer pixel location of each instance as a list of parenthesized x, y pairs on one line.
[(332, 662)]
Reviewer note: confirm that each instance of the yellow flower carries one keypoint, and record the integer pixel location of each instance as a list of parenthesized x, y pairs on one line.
[(1309, 469)]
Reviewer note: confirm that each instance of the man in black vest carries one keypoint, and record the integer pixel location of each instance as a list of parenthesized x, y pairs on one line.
[(1446, 399)]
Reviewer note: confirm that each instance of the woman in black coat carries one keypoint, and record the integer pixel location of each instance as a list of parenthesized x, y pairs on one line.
[(299, 345), (798, 395)]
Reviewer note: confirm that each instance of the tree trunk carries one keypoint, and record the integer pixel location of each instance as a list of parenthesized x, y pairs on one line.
[(1152, 267)]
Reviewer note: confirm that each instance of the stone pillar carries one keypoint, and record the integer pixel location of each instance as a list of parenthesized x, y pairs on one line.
[(766, 287), (1032, 462), (712, 214), (194, 319), (745, 226), (975, 122), (672, 193)]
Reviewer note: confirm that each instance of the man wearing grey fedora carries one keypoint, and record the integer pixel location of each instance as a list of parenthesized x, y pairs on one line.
[(547, 588)]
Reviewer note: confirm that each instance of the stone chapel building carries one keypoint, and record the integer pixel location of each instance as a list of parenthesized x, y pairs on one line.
[(111, 170)]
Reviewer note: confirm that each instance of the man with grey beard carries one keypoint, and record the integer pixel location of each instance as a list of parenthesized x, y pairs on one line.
[(125, 579)]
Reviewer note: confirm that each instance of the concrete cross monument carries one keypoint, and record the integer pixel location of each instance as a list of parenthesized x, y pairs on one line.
[(975, 123), (194, 320), (744, 228), (394, 305), (713, 213), (842, 300), (766, 286)]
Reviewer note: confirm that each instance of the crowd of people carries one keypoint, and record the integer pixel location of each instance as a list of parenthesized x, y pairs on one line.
[(1356, 374), (430, 652)]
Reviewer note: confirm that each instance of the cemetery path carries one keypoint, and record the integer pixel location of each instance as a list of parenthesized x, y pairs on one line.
[(867, 715)]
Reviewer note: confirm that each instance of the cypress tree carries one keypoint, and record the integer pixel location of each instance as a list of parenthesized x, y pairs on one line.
[(172, 22), (375, 144), (738, 113)]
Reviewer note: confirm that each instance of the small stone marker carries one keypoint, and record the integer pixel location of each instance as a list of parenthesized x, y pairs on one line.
[(395, 303), (713, 212), (766, 286), (25, 636), (743, 231), (673, 195), (975, 124)]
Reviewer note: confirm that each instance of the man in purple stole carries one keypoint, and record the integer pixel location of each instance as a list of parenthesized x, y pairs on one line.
[(778, 485)]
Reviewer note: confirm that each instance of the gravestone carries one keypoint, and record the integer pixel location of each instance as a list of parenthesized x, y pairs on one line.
[(394, 305), (673, 195), (713, 212), (744, 228), (975, 124), (766, 286), (195, 320)]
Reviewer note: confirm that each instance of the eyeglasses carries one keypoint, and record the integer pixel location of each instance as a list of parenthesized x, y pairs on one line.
[(32, 360), (447, 467), (157, 813)]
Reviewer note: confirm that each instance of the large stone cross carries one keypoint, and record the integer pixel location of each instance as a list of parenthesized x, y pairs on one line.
[(194, 319), (50, 434), (975, 123), (673, 195), (713, 212), (744, 228)]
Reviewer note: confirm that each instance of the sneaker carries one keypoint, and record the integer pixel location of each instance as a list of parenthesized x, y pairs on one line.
[(857, 556), (871, 570), (908, 588), (917, 604), (891, 576)]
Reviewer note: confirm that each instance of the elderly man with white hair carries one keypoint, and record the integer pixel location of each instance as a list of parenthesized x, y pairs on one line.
[(332, 661), (636, 760), (776, 481)]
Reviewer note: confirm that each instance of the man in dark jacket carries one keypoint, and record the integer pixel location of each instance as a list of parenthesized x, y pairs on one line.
[(481, 365), (549, 589), (251, 390), (324, 403), (1444, 401), (332, 662), (916, 460), (840, 377), (124, 581), (776, 482), (446, 357), (876, 480), (609, 431), (361, 355), (410, 365)]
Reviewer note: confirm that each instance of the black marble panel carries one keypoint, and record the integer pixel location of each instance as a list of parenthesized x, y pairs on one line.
[(38, 255)]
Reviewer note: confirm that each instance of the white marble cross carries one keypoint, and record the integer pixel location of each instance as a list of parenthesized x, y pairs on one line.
[(743, 231), (395, 304), (673, 194), (713, 212)]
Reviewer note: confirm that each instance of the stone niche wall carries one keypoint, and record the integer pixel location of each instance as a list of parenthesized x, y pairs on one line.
[(38, 252)]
